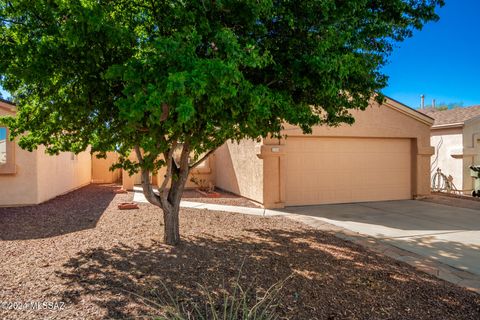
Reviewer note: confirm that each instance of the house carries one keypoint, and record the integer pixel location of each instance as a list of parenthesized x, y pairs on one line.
[(385, 155), (34, 177), (455, 135)]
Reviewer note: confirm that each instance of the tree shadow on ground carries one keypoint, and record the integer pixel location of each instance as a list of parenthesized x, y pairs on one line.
[(463, 256), (75, 211), (394, 217), (332, 279)]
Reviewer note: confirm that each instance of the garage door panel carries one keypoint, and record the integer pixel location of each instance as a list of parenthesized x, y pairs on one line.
[(336, 170)]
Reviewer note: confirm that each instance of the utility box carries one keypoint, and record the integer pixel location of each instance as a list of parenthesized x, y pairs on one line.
[(475, 173)]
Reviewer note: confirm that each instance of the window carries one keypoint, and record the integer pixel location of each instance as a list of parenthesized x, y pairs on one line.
[(3, 146)]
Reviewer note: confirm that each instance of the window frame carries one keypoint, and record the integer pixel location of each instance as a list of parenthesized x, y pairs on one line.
[(9, 167)]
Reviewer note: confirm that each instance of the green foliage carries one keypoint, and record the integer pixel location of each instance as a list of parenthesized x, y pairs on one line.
[(233, 302), (119, 74)]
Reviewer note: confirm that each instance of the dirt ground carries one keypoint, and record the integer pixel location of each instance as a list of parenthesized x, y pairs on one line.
[(85, 259)]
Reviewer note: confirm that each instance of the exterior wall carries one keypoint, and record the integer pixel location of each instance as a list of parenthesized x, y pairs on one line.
[(18, 186), (205, 171), (378, 121), (471, 150), (101, 169), (448, 142), (239, 170), (60, 174), (3, 150)]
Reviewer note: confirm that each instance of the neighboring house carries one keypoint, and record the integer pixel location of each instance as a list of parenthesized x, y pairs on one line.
[(33, 177), (385, 155), (455, 135)]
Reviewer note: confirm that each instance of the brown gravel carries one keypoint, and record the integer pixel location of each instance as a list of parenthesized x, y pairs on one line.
[(226, 198), (81, 250)]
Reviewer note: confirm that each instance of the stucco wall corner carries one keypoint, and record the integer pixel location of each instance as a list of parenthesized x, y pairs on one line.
[(426, 151)]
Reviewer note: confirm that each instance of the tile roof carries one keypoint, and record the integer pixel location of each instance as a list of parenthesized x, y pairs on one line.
[(7, 101), (452, 116)]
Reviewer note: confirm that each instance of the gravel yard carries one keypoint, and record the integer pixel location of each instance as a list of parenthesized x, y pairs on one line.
[(96, 261), (226, 198)]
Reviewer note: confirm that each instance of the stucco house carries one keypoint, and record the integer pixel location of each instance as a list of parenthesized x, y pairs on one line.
[(455, 136), (385, 155), (34, 177)]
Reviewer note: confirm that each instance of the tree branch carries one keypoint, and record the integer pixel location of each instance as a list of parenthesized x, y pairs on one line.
[(177, 187), (194, 165), (146, 185), (168, 175)]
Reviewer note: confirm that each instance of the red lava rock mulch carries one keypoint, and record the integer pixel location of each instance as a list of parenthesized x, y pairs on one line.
[(127, 206), (102, 262), (224, 198)]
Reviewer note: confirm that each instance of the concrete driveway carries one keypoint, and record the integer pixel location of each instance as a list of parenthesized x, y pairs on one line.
[(448, 234)]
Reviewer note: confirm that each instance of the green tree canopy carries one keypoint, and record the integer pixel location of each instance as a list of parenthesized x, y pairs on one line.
[(159, 76)]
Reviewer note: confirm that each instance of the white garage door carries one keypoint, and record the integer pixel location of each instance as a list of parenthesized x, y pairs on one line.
[(340, 170)]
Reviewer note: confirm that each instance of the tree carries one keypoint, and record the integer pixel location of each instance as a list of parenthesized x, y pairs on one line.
[(443, 106), (173, 80)]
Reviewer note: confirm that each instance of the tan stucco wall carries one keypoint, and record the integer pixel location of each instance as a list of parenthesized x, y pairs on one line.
[(3, 151), (19, 188), (61, 174), (471, 150), (448, 142), (206, 171), (463, 142), (375, 122), (101, 172), (239, 170)]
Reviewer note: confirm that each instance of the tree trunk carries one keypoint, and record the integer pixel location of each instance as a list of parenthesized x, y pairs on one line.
[(169, 201), (172, 226), (170, 207), (171, 215)]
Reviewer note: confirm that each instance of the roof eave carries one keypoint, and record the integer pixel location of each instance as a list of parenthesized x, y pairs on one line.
[(448, 126), (7, 105), (409, 111)]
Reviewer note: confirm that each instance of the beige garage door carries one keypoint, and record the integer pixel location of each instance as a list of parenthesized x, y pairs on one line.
[(340, 170)]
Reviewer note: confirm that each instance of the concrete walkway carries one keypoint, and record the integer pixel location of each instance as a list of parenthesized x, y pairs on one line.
[(441, 240)]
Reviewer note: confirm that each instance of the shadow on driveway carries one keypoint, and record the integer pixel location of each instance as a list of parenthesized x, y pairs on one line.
[(448, 234)]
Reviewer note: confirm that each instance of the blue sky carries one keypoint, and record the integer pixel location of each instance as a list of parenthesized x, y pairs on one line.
[(441, 61), (3, 133)]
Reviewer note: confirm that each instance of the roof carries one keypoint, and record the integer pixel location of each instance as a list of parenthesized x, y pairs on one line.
[(7, 105), (7, 101), (452, 117), (403, 108)]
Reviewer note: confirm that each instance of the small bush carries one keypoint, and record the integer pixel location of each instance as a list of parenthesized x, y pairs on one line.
[(236, 303), (239, 304), (203, 184)]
